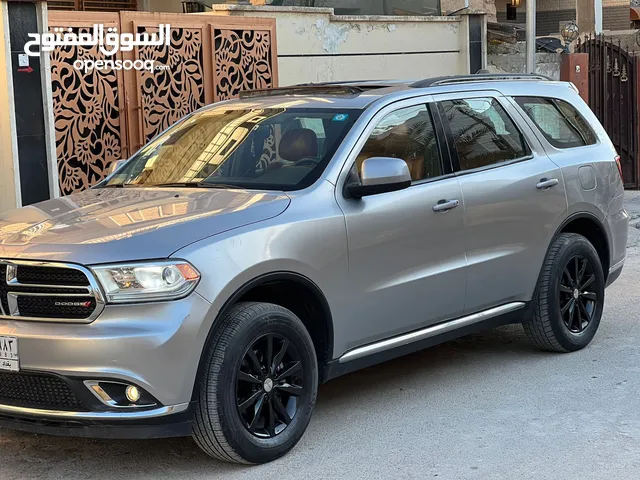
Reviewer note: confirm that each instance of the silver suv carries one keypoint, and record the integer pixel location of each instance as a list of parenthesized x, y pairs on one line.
[(264, 245)]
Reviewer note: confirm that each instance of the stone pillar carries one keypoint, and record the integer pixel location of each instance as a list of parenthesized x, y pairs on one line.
[(574, 68), (9, 171), (586, 15), (32, 131)]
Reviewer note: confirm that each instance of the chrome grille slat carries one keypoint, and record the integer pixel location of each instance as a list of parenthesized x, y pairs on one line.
[(25, 297), (35, 294), (40, 285)]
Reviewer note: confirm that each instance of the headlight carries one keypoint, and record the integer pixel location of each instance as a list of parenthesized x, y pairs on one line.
[(146, 282)]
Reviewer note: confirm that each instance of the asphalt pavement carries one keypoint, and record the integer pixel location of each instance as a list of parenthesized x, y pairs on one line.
[(488, 406)]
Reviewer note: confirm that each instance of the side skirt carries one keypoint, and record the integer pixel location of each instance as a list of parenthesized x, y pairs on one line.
[(407, 343)]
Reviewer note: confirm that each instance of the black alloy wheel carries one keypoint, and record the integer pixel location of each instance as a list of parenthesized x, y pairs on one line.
[(269, 386), (258, 384), (578, 299), (569, 298)]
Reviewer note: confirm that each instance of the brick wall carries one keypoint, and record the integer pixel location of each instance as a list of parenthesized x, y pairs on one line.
[(521, 17), (552, 14), (550, 22), (616, 18), (555, 5)]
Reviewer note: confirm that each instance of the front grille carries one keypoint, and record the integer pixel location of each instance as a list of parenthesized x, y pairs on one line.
[(38, 391), (4, 303), (56, 307), (51, 276), (44, 291)]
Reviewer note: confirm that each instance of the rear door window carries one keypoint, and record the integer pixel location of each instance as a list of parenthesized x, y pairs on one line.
[(482, 132), (560, 123)]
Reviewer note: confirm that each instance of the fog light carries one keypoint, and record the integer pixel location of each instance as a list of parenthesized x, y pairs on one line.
[(132, 393)]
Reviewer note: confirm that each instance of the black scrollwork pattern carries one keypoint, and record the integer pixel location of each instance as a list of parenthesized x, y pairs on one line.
[(86, 117), (242, 61), (169, 94)]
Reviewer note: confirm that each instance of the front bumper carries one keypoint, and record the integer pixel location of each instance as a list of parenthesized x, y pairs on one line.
[(156, 347), (159, 423)]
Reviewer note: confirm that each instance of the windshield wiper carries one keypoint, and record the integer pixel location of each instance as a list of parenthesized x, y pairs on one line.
[(204, 184), (195, 185), (177, 184)]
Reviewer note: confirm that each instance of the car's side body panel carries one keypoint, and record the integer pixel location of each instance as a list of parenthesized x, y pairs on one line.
[(592, 181), (407, 263), (509, 221), (304, 240)]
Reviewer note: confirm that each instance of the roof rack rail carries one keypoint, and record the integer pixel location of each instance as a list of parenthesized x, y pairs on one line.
[(306, 89), (478, 77), (378, 83)]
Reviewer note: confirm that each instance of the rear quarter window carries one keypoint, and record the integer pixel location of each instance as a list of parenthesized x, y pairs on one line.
[(560, 122)]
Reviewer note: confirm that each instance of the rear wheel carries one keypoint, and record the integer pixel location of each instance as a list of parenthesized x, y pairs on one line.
[(259, 385), (569, 297)]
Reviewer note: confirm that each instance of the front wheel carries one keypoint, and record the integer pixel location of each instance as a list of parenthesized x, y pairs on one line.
[(569, 296), (258, 387)]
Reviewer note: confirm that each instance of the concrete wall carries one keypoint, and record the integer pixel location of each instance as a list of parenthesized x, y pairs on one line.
[(9, 183), (314, 45), (512, 59), (487, 6)]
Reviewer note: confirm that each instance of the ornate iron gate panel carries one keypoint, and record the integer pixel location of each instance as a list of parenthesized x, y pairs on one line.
[(104, 115), (613, 96), (244, 59), (210, 58), (89, 125)]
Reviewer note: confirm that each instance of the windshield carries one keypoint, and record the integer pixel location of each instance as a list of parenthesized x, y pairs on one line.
[(270, 149)]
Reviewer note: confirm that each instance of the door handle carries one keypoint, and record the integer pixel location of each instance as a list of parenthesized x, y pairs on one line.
[(545, 183), (445, 205)]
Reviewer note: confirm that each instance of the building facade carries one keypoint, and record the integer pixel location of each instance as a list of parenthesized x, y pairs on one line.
[(552, 14)]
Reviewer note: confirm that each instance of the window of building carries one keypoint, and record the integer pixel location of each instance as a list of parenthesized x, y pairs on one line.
[(560, 123), (93, 5), (483, 134)]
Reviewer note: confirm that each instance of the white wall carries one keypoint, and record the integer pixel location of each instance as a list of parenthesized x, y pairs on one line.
[(316, 46)]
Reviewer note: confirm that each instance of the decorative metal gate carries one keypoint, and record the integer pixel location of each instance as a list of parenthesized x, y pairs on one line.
[(613, 96), (104, 115)]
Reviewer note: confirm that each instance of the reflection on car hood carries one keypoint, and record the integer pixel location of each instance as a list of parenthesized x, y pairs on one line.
[(108, 225)]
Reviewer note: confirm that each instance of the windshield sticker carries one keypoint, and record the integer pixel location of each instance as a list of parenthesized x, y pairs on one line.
[(340, 117)]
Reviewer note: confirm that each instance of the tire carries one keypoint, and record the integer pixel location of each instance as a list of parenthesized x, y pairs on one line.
[(554, 325), (232, 387)]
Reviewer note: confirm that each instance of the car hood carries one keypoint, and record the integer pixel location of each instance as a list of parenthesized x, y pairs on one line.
[(127, 224)]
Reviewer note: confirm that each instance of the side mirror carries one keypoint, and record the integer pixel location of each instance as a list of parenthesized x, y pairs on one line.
[(380, 175), (116, 165)]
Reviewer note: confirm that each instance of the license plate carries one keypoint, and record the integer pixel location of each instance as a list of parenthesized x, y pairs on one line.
[(9, 359)]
